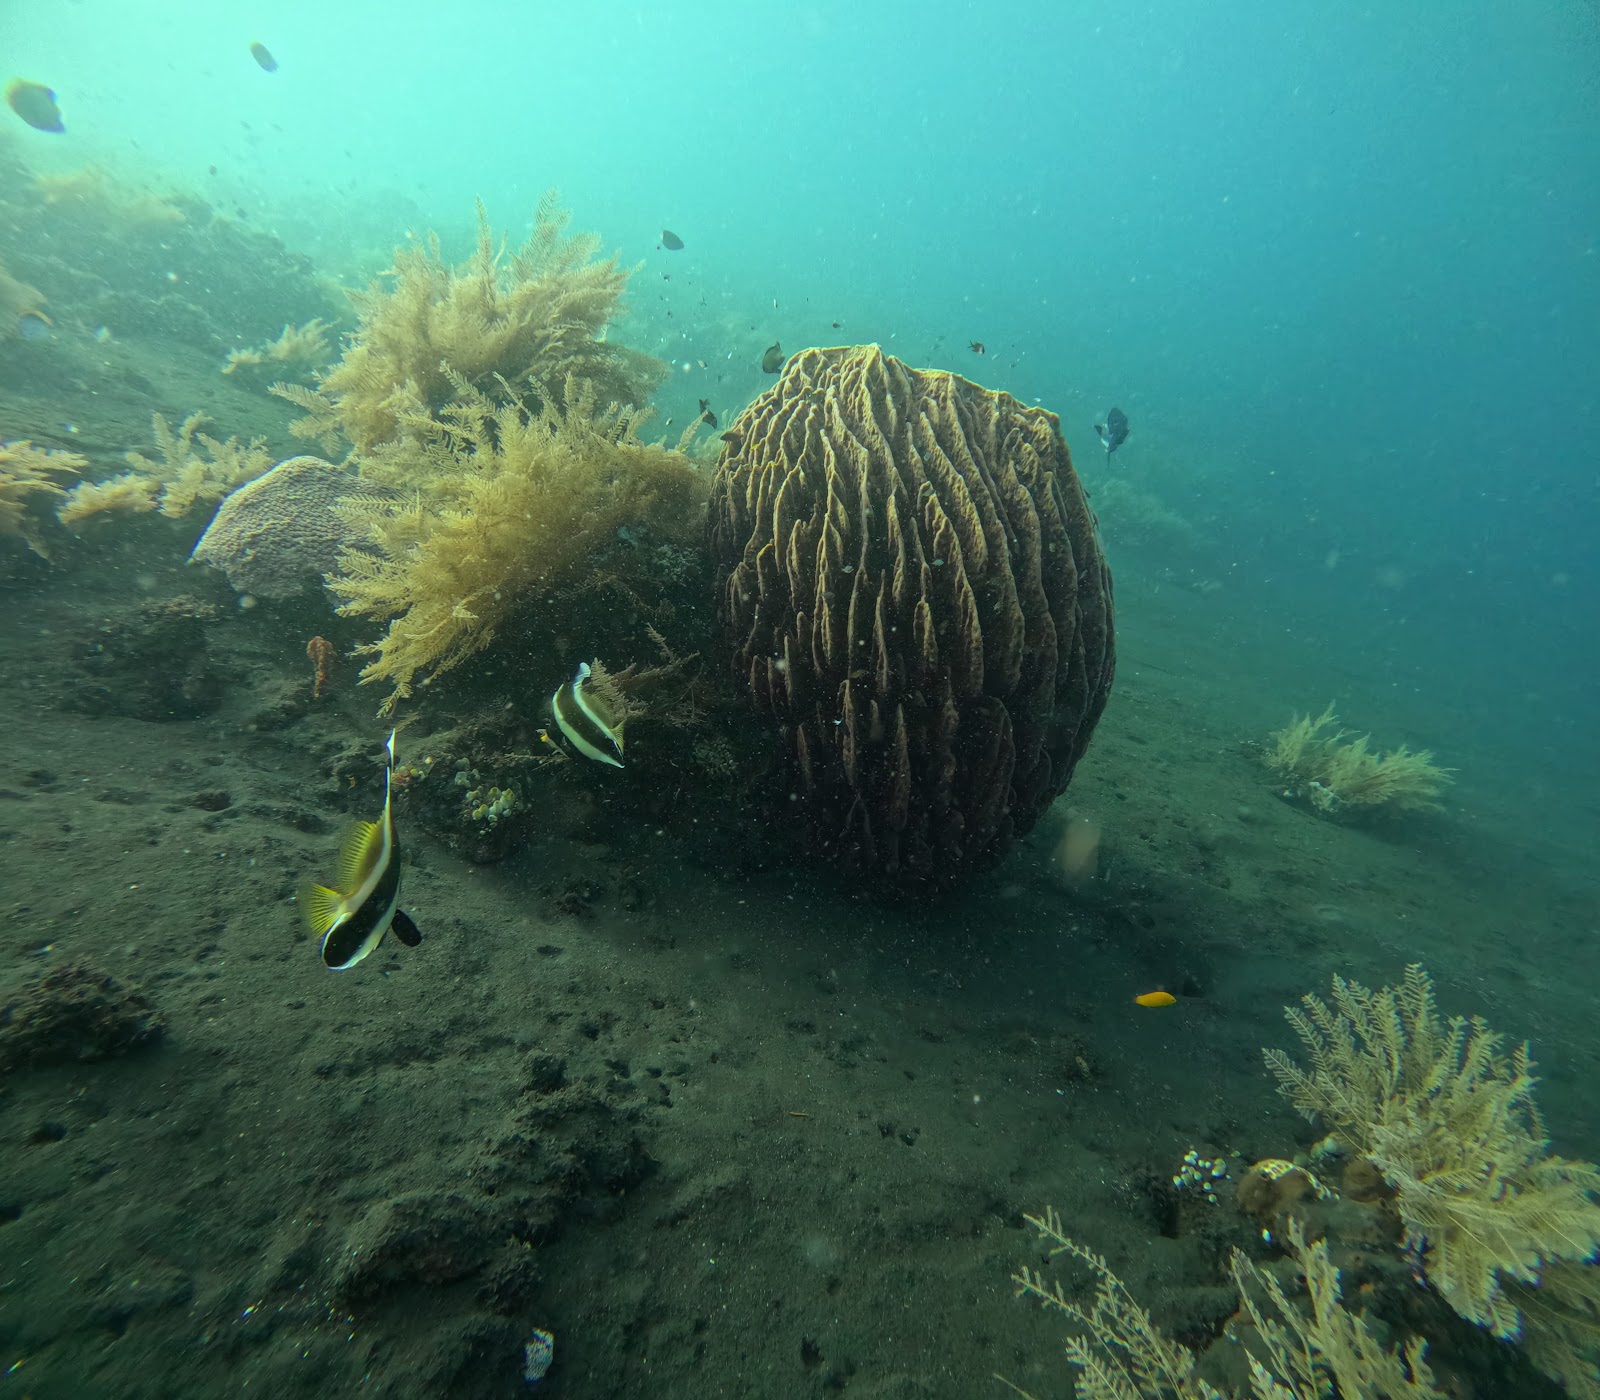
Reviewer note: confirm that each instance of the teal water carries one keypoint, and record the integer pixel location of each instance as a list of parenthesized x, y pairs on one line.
[(1340, 266)]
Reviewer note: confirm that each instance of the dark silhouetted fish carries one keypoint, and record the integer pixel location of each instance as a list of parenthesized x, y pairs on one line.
[(772, 358), (263, 55), (35, 104), (670, 241), (706, 415), (977, 347), (1114, 431)]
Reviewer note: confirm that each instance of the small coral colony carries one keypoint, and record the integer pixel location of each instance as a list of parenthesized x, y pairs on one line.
[(876, 596)]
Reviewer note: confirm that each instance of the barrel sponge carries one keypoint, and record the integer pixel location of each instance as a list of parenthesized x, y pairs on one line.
[(911, 584)]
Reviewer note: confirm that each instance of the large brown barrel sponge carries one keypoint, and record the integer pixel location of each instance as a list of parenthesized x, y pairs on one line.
[(911, 583)]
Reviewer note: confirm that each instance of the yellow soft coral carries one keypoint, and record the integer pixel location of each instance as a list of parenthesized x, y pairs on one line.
[(509, 511), (188, 475), (132, 493), (305, 346), (1333, 772), (26, 470), (1120, 1354), (1448, 1118), (512, 329)]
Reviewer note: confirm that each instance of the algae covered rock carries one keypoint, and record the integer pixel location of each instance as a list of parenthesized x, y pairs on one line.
[(73, 1013), (150, 660)]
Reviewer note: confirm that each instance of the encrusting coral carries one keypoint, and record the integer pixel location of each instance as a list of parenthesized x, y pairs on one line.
[(911, 583), (1334, 773), (509, 514), (1120, 1353), (283, 530), (26, 470), (514, 330), (1507, 1232)]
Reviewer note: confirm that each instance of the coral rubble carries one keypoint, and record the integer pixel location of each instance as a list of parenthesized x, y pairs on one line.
[(911, 583), (149, 660)]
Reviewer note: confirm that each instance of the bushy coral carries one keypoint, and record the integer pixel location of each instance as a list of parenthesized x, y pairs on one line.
[(1120, 1354), (89, 193), (195, 468), (1448, 1118), (132, 493), (303, 347), (502, 510), (26, 471), (15, 298), (515, 330), (1334, 773)]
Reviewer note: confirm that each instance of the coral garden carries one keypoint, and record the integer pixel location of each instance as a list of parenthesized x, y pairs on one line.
[(1436, 1126)]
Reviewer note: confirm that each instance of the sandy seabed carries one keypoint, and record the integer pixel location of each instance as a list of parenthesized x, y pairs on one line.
[(721, 1136)]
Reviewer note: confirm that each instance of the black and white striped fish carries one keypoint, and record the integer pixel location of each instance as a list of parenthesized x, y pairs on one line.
[(586, 721), (352, 916)]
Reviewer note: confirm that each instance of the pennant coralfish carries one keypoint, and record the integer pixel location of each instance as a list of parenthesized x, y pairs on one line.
[(352, 918), (589, 717)]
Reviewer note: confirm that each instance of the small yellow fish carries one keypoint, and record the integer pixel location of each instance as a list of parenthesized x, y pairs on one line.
[(1155, 999)]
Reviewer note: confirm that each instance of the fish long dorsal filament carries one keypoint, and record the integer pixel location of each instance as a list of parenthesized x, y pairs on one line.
[(586, 722), (354, 916)]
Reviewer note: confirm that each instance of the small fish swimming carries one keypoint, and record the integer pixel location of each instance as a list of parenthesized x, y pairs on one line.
[(352, 918), (977, 347), (1113, 432), (706, 415), (1155, 999), (586, 719), (772, 358), (263, 55), (34, 325), (35, 104), (670, 241)]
